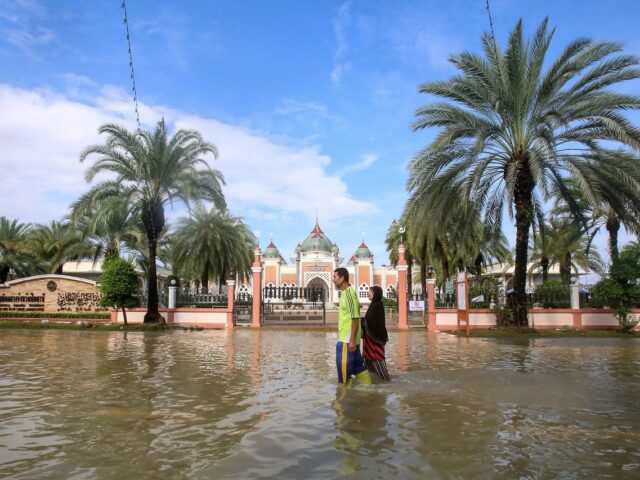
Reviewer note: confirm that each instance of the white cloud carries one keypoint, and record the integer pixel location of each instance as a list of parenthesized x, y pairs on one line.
[(340, 23), (367, 160), (42, 134)]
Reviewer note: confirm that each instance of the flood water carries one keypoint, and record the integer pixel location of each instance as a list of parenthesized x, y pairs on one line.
[(263, 404)]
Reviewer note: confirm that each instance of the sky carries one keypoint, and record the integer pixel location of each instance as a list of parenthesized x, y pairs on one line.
[(310, 103)]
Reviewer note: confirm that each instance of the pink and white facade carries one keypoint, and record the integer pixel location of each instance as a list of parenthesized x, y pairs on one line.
[(313, 263)]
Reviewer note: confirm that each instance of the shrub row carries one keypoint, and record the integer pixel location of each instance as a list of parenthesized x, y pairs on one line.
[(94, 315)]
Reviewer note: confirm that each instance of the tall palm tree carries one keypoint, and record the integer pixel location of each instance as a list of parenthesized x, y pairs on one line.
[(214, 244), (151, 171), (510, 131), (13, 252)]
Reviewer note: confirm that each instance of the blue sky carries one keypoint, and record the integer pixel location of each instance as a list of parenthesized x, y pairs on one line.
[(309, 102)]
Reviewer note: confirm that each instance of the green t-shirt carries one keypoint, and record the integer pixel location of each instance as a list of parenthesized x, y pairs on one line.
[(348, 308)]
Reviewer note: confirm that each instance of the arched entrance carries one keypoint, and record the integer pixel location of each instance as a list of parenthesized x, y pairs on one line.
[(317, 283)]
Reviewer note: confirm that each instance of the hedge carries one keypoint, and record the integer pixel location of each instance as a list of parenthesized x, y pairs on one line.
[(94, 315)]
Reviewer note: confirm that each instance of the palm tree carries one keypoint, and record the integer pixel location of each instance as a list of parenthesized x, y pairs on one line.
[(540, 249), (13, 253), (213, 244), (510, 131), (110, 228), (567, 245), (151, 171), (54, 244)]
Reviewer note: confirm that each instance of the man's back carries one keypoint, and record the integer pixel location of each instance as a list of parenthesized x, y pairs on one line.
[(348, 309)]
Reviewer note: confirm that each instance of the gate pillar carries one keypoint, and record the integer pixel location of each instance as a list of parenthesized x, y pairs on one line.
[(231, 300), (431, 305), (256, 270), (402, 288)]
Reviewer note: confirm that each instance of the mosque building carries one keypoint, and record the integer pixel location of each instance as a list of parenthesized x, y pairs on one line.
[(313, 263)]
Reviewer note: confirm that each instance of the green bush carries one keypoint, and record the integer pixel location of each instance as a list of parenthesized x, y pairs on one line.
[(487, 290), (87, 315), (606, 293), (389, 302), (119, 285), (622, 290)]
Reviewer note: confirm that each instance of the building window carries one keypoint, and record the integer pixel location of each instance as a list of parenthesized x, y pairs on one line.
[(363, 291), (391, 292)]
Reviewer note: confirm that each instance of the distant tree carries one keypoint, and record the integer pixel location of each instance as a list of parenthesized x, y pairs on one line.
[(110, 227), (119, 285), (213, 244), (392, 242), (55, 243), (13, 252)]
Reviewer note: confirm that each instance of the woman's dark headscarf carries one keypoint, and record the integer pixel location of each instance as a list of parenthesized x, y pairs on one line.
[(374, 318)]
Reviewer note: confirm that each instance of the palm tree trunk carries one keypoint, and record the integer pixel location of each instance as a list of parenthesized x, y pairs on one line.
[(204, 279), (423, 276), (613, 226), (153, 314), (153, 220), (523, 203), (565, 269), (4, 274), (544, 262)]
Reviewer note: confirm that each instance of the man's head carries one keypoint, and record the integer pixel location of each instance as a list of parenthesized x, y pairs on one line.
[(341, 278)]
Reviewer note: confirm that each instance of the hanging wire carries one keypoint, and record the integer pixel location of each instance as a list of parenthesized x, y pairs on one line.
[(493, 37), (133, 75)]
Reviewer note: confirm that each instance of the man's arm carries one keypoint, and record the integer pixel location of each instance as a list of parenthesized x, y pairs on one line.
[(355, 323)]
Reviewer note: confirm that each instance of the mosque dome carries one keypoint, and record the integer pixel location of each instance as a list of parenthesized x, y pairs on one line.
[(317, 241), (363, 251), (271, 251)]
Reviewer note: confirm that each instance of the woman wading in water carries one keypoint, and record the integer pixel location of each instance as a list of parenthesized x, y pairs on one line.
[(374, 335)]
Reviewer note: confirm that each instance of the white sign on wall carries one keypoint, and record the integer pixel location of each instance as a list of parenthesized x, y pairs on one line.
[(416, 305), (461, 291)]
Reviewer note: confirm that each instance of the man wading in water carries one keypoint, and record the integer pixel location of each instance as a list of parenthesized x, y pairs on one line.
[(348, 357)]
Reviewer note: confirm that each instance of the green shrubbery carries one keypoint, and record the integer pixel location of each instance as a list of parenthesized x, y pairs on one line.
[(119, 285), (87, 315), (622, 290), (552, 294)]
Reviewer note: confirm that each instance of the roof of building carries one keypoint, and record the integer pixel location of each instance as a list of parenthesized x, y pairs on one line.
[(363, 251), (271, 251), (317, 241)]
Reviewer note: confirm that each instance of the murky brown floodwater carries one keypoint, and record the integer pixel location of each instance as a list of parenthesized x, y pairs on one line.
[(251, 404)]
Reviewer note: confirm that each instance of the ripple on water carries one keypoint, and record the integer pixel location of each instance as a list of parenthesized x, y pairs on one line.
[(264, 404)]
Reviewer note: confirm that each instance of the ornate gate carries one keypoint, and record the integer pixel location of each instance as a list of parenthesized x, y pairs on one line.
[(293, 306), (242, 309)]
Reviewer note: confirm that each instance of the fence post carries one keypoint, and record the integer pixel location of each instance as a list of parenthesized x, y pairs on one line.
[(231, 301), (575, 305), (256, 269), (575, 296), (431, 305), (172, 295), (402, 289)]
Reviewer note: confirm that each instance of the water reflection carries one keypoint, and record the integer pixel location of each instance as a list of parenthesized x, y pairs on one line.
[(361, 421), (264, 404)]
